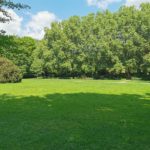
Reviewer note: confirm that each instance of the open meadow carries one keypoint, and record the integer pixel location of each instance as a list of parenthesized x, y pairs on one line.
[(58, 114), (75, 75)]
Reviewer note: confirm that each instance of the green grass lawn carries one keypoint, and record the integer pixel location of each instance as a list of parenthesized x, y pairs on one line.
[(40, 114)]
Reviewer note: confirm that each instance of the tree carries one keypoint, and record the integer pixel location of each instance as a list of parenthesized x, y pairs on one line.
[(105, 44), (19, 51), (146, 64)]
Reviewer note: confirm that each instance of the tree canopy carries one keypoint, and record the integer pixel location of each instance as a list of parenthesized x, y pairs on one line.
[(105, 44)]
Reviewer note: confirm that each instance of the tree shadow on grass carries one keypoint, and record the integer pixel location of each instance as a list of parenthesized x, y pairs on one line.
[(77, 121)]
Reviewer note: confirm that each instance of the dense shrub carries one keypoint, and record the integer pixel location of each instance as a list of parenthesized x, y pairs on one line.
[(9, 72)]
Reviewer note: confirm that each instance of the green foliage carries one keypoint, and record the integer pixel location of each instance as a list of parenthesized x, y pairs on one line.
[(146, 64), (19, 50), (98, 45), (102, 44), (9, 73), (117, 69), (36, 68)]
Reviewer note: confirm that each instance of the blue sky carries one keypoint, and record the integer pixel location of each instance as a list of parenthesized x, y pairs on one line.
[(65, 8), (43, 12)]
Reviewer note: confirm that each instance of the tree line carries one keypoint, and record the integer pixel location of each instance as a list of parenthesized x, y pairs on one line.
[(102, 45)]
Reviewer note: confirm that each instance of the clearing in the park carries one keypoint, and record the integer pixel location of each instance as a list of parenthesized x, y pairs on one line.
[(55, 114)]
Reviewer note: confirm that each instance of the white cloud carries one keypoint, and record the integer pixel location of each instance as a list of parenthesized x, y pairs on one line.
[(34, 27), (135, 3), (103, 4), (14, 26)]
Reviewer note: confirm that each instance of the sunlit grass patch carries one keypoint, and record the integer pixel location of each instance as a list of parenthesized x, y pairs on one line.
[(74, 114)]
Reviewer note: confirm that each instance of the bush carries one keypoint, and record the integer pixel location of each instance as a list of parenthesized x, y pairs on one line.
[(9, 72)]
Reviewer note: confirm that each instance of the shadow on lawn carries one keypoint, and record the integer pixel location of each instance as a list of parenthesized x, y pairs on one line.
[(78, 121)]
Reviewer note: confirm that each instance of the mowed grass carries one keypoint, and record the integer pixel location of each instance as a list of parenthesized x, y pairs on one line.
[(46, 114)]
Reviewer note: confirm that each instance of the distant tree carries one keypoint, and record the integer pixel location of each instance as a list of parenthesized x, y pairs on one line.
[(146, 64), (105, 44), (19, 51), (102, 44)]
